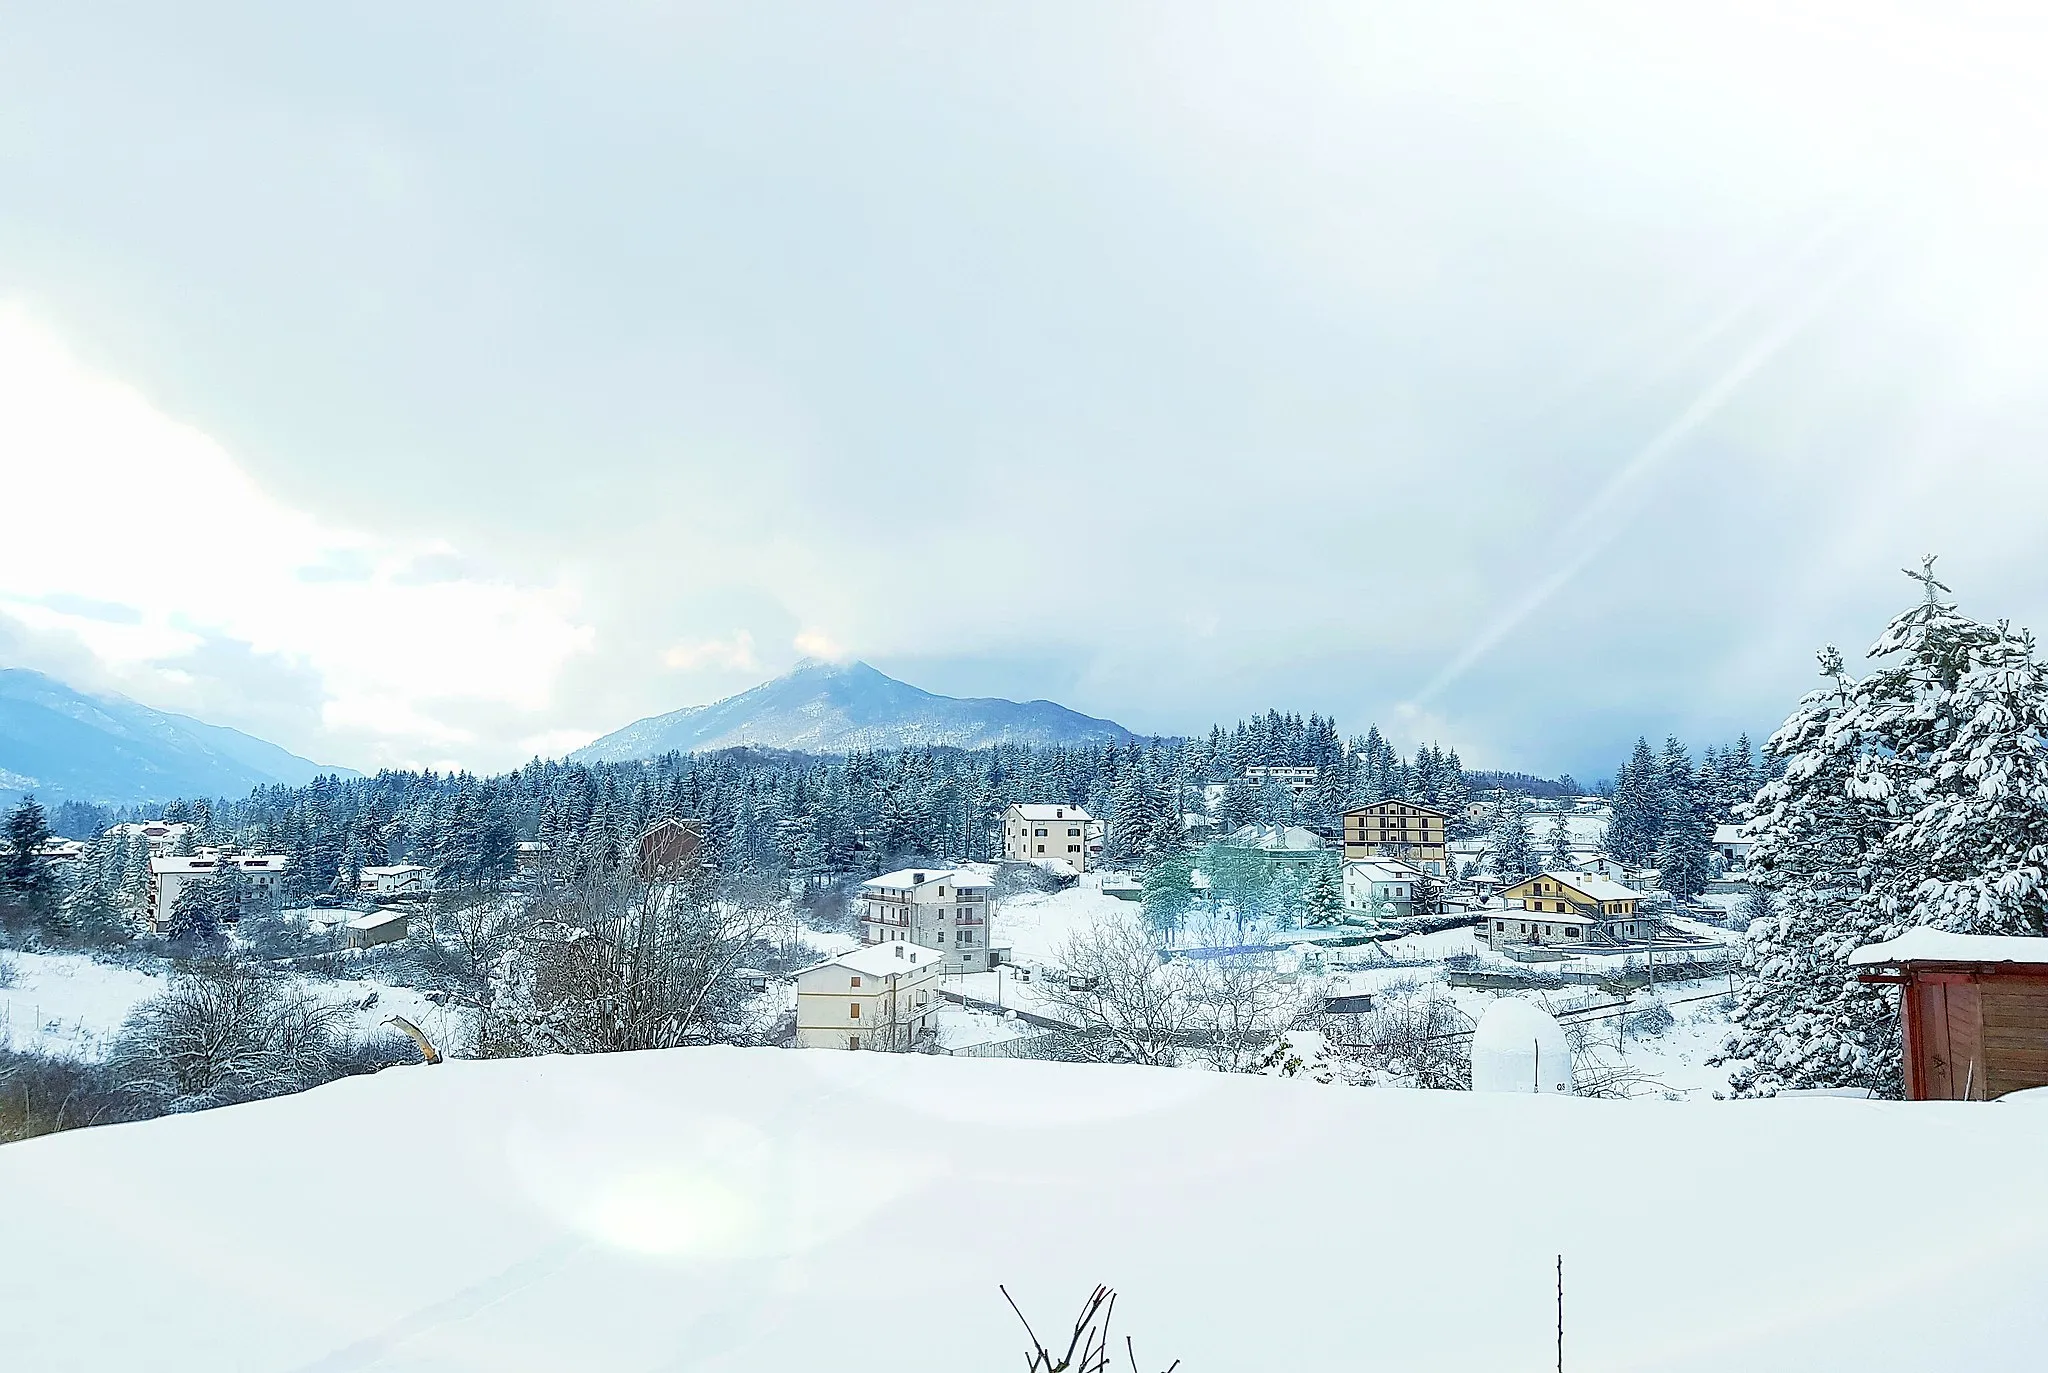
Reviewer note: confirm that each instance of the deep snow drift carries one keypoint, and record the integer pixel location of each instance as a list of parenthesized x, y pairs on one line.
[(773, 1210)]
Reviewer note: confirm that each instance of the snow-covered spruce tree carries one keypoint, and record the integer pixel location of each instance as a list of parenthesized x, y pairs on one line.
[(1961, 713), (1324, 896), (28, 881), (1558, 853), (1514, 858), (1801, 1018), (1918, 796), (1633, 831), (1685, 850)]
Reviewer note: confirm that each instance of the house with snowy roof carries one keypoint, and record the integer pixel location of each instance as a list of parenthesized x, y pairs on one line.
[(881, 996), (950, 911), (1035, 833), (1380, 886), (1568, 909), (1731, 842)]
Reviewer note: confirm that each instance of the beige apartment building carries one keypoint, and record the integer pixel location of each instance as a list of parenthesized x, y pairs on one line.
[(881, 996), (1033, 833), (949, 911), (1407, 830)]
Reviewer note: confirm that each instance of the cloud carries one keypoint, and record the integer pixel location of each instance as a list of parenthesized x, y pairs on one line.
[(232, 604), (815, 643), (735, 654)]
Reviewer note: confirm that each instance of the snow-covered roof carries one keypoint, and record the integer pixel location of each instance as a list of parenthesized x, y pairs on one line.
[(1592, 886), (1383, 869), (395, 870), (1731, 834), (207, 862), (375, 920), (1922, 945), (1038, 812), (879, 960), (907, 879)]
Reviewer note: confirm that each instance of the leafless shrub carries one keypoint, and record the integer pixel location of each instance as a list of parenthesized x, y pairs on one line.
[(1241, 1006), (226, 1032), (1088, 1343), (1415, 1036)]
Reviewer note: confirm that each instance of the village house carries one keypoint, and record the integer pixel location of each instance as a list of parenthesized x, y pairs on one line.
[(667, 850), (397, 879), (263, 882), (1380, 886), (1567, 909), (1974, 1009), (1032, 833), (161, 836), (61, 851), (1731, 842), (529, 855), (1407, 830), (949, 911), (1295, 779), (878, 997)]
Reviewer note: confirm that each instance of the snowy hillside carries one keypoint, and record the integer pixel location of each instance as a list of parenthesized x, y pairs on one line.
[(830, 708), (760, 1210), (64, 744)]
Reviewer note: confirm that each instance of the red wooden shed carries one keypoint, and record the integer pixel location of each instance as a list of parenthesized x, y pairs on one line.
[(1974, 1007)]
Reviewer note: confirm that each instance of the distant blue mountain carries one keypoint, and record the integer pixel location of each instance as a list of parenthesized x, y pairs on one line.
[(831, 708), (66, 745)]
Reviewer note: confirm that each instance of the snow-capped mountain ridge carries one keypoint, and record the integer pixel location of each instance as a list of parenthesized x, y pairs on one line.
[(66, 744), (820, 707)]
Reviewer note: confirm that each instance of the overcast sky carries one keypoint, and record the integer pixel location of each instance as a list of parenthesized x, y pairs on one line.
[(449, 383)]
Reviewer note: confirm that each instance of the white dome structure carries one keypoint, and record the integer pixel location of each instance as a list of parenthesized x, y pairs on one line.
[(1519, 1048)]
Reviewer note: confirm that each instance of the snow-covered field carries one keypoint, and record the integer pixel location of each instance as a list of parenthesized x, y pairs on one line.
[(758, 1210), (70, 1006)]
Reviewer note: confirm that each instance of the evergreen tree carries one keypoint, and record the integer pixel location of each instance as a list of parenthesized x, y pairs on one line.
[(1685, 849), (1558, 855), (1324, 897), (1632, 830), (1513, 856), (28, 880)]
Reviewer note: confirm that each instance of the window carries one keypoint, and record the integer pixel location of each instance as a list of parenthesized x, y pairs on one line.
[(853, 1041), (1041, 848), (967, 936), (1073, 834), (856, 982), (1038, 834), (853, 1010), (942, 936), (1499, 926), (1073, 848)]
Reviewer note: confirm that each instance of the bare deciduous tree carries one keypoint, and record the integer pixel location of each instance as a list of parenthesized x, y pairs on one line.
[(610, 963), (1126, 1004)]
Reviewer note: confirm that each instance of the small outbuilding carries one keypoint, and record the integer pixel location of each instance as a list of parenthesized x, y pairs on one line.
[(375, 927), (1974, 1009)]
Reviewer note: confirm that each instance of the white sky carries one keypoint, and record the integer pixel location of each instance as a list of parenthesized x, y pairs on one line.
[(449, 384)]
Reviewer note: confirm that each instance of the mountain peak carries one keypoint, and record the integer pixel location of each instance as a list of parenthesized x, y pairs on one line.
[(65, 744), (828, 707)]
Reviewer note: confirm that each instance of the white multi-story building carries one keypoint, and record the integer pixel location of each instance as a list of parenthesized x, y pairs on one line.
[(398, 879), (262, 873), (878, 997), (1295, 779), (947, 910), (1033, 833)]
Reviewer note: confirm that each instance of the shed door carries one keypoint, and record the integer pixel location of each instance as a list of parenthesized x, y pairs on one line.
[(1927, 1072)]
